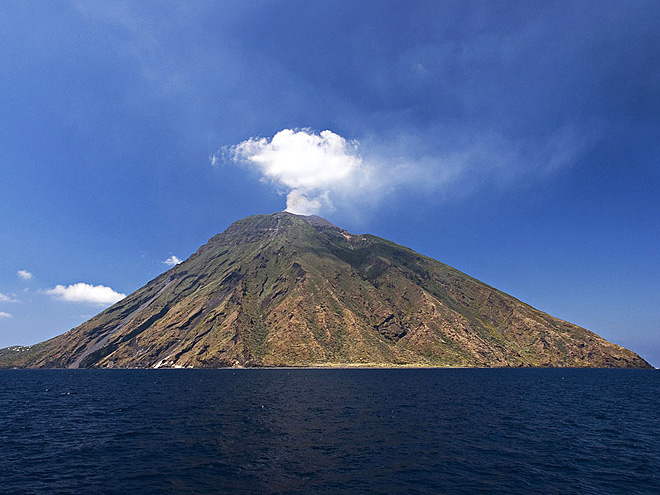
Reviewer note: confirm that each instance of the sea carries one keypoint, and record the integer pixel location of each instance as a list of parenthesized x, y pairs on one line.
[(330, 431)]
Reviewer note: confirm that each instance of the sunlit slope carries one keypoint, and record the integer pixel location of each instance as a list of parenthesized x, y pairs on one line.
[(287, 290)]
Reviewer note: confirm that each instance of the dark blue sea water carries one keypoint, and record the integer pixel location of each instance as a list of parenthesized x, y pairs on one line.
[(330, 431)]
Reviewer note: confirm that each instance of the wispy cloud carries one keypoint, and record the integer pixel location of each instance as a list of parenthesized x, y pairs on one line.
[(453, 162), (172, 261), (7, 299), (5, 315), (24, 274), (85, 293)]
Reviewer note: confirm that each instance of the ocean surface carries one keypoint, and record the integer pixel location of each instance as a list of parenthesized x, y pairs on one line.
[(306, 431)]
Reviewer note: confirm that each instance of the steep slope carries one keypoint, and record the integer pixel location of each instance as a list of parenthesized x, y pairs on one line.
[(287, 290)]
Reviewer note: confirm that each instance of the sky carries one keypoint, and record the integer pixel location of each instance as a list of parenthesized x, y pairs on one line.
[(516, 141)]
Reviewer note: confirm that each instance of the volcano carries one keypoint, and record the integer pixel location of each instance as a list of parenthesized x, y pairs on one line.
[(290, 290)]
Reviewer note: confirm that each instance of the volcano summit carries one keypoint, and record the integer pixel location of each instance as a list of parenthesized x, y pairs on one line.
[(289, 290)]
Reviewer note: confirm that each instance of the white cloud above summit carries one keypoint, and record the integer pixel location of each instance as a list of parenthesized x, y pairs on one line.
[(85, 293), (311, 167)]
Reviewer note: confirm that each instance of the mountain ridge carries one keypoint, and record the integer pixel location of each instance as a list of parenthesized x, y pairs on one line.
[(289, 290)]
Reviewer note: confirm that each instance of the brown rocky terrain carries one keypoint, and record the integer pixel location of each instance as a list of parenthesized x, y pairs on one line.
[(288, 290)]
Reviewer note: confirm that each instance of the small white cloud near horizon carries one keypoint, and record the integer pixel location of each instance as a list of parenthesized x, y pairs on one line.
[(5, 315), (6, 298), (85, 293), (310, 166), (24, 274), (172, 261)]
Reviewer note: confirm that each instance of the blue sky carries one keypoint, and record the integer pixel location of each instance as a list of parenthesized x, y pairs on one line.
[(516, 141)]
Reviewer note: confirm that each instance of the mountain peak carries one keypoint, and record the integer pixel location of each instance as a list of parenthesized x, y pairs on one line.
[(317, 221), (252, 228), (313, 220)]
